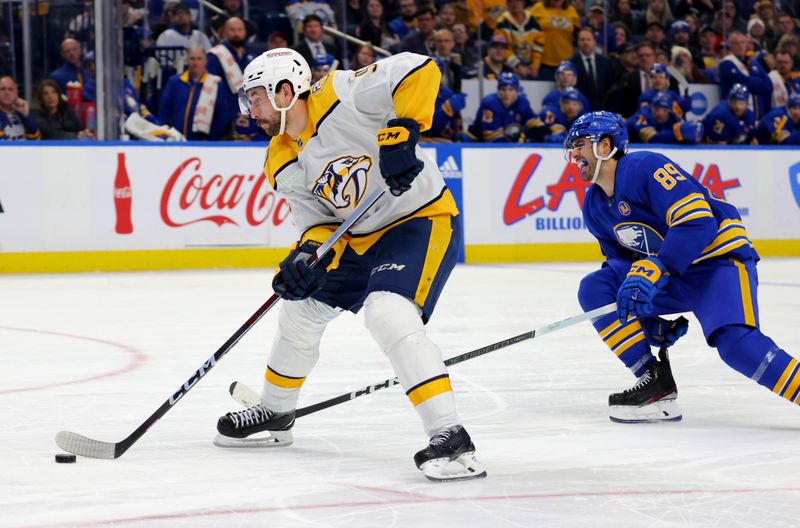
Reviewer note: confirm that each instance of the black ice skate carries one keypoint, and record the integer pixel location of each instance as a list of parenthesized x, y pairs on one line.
[(651, 399), (236, 428), (450, 455)]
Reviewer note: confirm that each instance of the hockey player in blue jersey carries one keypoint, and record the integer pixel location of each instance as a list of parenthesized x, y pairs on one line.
[(566, 77), (505, 116), (669, 246), (554, 122), (658, 123), (782, 125), (731, 122), (659, 82), (447, 124)]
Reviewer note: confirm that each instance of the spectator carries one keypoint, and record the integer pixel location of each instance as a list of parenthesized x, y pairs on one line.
[(559, 21), (227, 60), (656, 36), (736, 68), (622, 36), (55, 119), (659, 86), (374, 28), (181, 32), (363, 57), (300, 10), (449, 62), (731, 13), (765, 11), (731, 122), (785, 80), (604, 34), (193, 102), (312, 45), (555, 121), (354, 15), (566, 77), (494, 63), (790, 44), (658, 12), (756, 30), (633, 20), (710, 44), (447, 16), (505, 116), (723, 24), (230, 9), (483, 14), (525, 37), (684, 70), (623, 95), (276, 39), (407, 20), (321, 67), (466, 50), (16, 122), (72, 70), (421, 40), (628, 61), (447, 125), (595, 71), (785, 26), (656, 122), (782, 125), (704, 9)]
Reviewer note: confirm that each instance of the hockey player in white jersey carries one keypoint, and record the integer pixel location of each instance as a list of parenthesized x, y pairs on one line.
[(333, 144)]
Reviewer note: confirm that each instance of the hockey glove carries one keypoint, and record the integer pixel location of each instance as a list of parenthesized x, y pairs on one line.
[(662, 332), (635, 296), (398, 158), (296, 279), (456, 103)]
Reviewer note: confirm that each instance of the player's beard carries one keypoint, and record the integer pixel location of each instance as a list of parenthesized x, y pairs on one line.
[(272, 128), (587, 171)]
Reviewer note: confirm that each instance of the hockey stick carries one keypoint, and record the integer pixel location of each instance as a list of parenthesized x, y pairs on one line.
[(248, 397), (81, 445)]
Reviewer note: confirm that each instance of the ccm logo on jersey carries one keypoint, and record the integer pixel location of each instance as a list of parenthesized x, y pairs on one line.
[(638, 237), (388, 267), (343, 181)]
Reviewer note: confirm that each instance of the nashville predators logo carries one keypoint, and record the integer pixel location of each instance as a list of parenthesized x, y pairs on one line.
[(343, 181)]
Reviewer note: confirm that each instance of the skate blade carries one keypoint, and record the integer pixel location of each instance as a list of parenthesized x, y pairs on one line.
[(463, 467), (275, 439), (665, 410)]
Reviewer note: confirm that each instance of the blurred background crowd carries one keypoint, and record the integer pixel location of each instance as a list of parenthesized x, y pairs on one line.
[(180, 64)]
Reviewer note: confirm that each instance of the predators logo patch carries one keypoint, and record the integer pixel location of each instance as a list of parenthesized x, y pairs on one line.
[(343, 181)]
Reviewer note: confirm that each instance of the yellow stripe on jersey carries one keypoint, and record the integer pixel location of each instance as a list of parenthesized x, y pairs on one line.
[(647, 133), (625, 345), (286, 382), (676, 128), (281, 153), (791, 388), (610, 328), (428, 389), (688, 208), (441, 233), (777, 389), (730, 235), (415, 95), (615, 338), (683, 201), (747, 297)]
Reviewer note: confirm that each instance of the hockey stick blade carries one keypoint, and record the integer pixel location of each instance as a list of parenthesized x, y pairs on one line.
[(248, 397), (84, 446)]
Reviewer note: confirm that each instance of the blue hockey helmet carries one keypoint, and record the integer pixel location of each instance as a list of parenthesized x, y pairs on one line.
[(739, 92), (657, 67), (597, 125), (794, 100), (566, 65), (508, 79), (662, 100), (569, 94)]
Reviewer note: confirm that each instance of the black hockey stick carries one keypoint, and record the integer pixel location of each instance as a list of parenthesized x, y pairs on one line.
[(246, 396), (81, 445)]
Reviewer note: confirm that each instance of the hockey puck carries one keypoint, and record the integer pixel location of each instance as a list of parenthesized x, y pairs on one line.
[(63, 458)]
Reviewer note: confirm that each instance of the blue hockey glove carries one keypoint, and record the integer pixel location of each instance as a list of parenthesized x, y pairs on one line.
[(456, 103), (398, 158), (663, 332), (690, 131), (296, 279), (635, 296)]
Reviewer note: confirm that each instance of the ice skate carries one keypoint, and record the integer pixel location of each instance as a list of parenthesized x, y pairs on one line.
[(237, 429), (651, 399), (450, 455)]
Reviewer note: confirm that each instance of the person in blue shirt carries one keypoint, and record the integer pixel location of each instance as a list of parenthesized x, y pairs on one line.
[(566, 77), (658, 123), (181, 96), (505, 116), (554, 122), (782, 125), (73, 69), (659, 84), (731, 122), (16, 122), (669, 247)]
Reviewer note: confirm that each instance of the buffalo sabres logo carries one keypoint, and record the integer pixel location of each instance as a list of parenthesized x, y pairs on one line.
[(640, 238), (343, 181), (624, 208)]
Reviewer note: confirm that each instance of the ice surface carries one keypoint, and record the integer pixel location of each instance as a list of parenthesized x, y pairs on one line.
[(98, 353)]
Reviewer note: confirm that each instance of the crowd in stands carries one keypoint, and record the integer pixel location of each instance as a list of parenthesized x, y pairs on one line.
[(636, 58)]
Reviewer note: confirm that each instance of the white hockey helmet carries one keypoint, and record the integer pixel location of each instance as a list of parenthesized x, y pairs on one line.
[(268, 70)]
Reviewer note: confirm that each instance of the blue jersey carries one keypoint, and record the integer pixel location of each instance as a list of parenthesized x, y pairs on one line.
[(659, 209), (554, 99), (724, 127), (493, 119), (757, 81), (554, 124), (14, 127), (680, 105), (777, 128), (447, 124)]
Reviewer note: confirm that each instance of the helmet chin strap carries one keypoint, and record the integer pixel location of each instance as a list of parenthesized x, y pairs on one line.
[(283, 111), (600, 159)]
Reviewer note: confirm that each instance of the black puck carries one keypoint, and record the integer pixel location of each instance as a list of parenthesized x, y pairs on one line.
[(63, 458)]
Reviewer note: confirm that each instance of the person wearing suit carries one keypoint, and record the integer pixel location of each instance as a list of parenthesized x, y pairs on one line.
[(623, 96), (595, 71), (312, 45)]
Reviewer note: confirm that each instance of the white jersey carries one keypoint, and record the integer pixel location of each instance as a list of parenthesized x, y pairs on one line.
[(334, 162)]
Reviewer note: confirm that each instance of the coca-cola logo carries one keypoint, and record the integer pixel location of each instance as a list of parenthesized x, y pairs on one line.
[(190, 197)]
